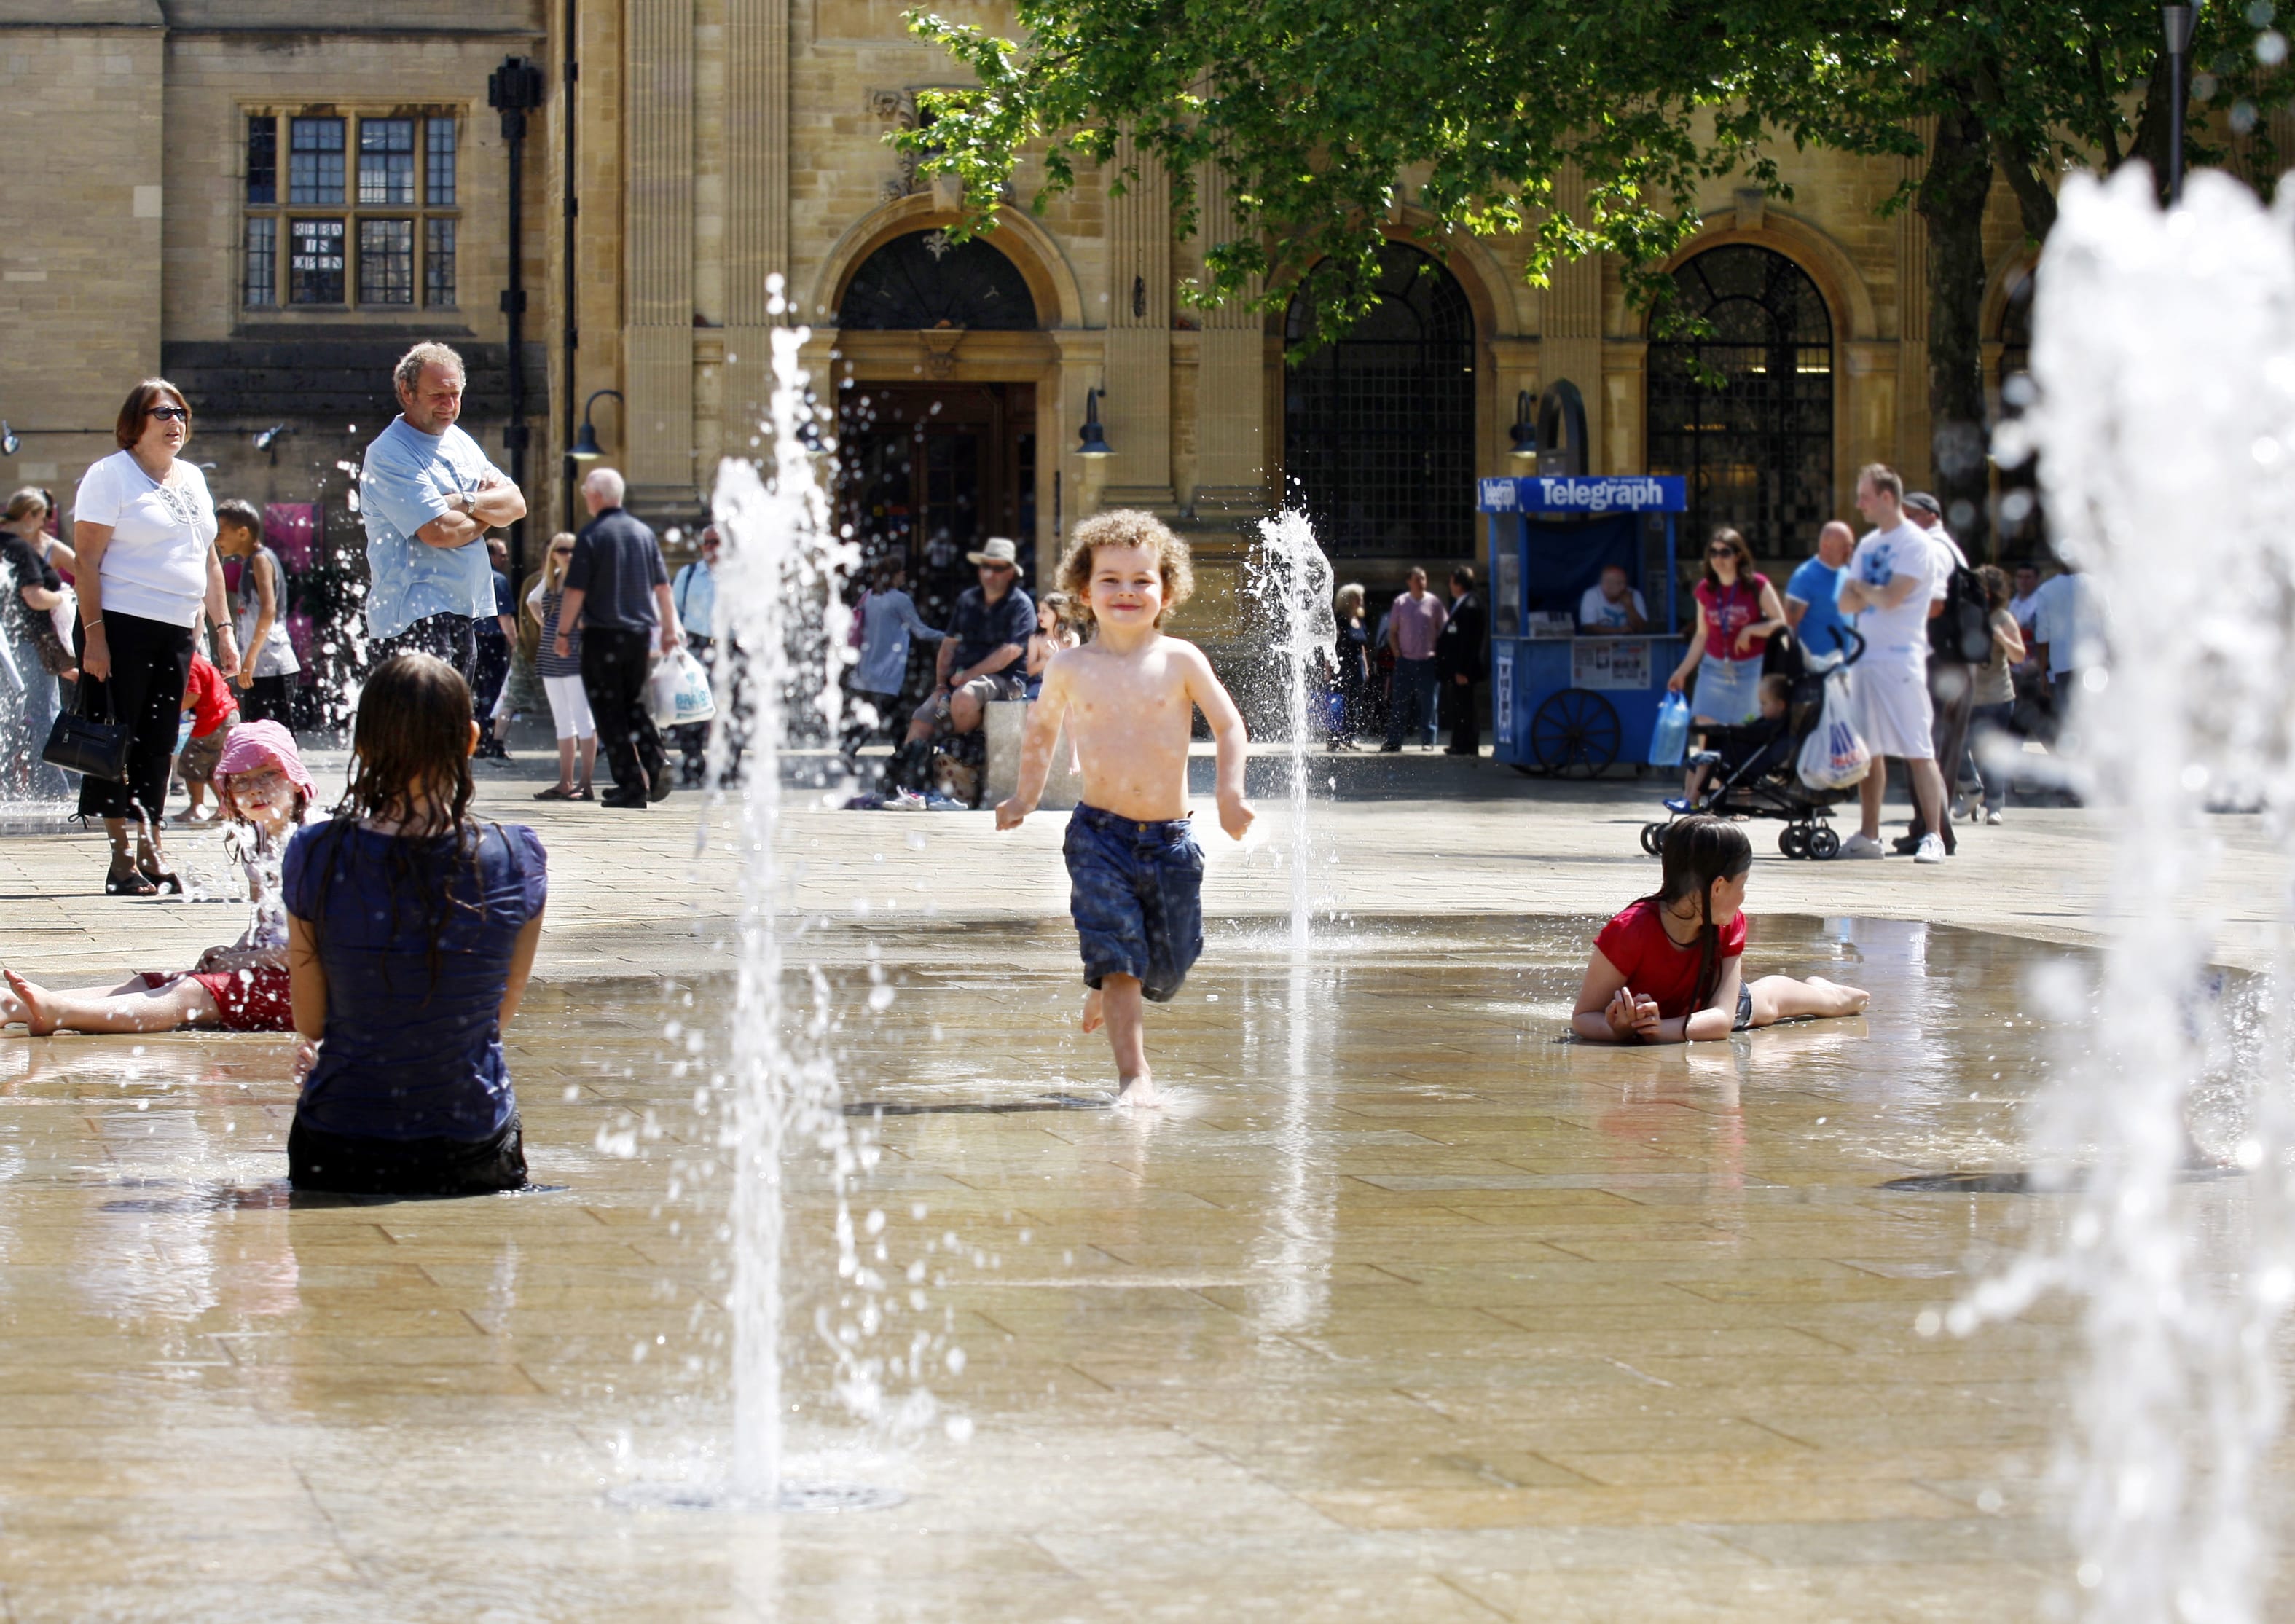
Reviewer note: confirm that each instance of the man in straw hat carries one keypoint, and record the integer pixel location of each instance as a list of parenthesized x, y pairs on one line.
[(981, 659)]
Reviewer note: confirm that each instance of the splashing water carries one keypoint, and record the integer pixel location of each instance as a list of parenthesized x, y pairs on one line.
[(1290, 576), (780, 566), (2164, 355)]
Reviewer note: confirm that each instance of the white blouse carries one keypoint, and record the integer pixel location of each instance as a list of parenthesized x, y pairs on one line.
[(156, 563)]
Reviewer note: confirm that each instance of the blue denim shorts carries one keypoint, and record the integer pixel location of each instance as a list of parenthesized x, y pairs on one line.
[(1135, 891)]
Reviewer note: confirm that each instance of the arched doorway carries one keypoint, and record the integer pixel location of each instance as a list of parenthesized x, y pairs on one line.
[(1379, 429), (929, 470), (1745, 413)]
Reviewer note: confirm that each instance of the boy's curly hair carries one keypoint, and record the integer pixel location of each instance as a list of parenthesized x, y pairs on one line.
[(1125, 528)]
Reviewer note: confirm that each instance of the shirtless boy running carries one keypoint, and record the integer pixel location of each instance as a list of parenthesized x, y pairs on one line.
[(1129, 699)]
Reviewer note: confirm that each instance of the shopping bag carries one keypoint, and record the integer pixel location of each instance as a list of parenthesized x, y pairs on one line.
[(677, 692), (80, 743), (1670, 736), (1833, 756)]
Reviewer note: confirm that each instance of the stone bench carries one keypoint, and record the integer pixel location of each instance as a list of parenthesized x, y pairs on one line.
[(1007, 723)]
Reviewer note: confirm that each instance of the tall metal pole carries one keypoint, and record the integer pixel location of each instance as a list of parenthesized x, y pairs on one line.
[(569, 320), (514, 89), (2177, 20)]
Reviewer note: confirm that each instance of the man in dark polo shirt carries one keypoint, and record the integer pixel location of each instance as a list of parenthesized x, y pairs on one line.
[(981, 658), (617, 593)]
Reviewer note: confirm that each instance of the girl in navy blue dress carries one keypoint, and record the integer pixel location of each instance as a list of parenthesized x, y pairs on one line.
[(410, 935)]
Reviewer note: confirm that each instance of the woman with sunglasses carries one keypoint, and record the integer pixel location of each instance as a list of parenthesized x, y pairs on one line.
[(144, 530), (1738, 611)]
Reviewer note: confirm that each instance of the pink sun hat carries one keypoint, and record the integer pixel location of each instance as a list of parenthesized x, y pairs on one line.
[(262, 744)]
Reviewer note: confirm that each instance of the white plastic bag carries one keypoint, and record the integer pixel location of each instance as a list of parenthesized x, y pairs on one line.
[(677, 692), (62, 616), (1833, 756)]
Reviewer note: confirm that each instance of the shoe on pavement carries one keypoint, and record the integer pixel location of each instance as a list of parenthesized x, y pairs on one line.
[(1904, 846), (1931, 849), (1859, 846), (1680, 803), (1389, 749), (1992, 815), (623, 801), (1961, 808)]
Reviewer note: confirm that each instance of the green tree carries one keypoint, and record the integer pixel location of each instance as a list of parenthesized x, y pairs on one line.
[(1326, 114)]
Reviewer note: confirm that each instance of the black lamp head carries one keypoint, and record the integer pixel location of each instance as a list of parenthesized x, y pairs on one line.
[(1092, 439), (585, 448)]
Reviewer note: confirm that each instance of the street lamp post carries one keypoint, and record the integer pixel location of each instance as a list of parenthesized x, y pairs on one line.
[(2176, 21)]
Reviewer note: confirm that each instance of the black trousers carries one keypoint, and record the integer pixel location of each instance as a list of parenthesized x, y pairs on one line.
[(1461, 715), (150, 662), (452, 638), (318, 1160), (267, 699), (614, 678)]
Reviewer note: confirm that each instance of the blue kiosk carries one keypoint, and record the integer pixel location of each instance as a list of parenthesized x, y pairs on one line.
[(1563, 702)]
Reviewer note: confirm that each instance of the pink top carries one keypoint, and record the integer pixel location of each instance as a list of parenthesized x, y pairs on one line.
[(1416, 623), (1728, 612)]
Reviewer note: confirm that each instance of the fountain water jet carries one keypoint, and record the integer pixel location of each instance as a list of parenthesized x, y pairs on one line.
[(1290, 576), (2164, 355)]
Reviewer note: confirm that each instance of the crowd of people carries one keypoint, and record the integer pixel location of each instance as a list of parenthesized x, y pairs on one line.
[(1953, 665)]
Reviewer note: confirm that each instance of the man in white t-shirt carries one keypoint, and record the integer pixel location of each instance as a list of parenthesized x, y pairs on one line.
[(1614, 608), (427, 496), (1888, 585)]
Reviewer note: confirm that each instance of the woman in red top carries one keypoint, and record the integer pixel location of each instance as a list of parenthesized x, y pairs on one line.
[(1667, 969), (1738, 611)]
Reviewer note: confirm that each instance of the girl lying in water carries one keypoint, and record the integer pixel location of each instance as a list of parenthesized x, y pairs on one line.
[(1669, 969), (264, 789)]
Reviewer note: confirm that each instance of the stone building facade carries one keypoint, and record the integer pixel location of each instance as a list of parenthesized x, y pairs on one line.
[(183, 173)]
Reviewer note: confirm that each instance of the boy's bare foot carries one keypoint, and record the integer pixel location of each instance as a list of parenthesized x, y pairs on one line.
[(1845, 1001), (1138, 1091), (30, 1005), (1092, 1018)]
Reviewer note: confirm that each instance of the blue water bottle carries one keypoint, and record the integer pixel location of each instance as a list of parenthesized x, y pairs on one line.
[(1670, 736)]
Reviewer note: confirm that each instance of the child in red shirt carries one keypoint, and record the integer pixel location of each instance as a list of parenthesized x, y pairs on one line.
[(214, 713), (1669, 968)]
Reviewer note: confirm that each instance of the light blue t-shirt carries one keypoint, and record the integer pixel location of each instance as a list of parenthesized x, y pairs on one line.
[(407, 481), (694, 594), (1817, 584)]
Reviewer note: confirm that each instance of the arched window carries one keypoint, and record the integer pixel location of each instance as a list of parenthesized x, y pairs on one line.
[(1746, 413), (1379, 429), (923, 280)]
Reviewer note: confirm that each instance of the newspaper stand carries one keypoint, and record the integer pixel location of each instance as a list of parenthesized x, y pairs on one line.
[(1563, 702)]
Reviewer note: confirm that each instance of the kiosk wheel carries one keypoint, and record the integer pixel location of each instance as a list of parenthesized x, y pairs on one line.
[(1793, 840), (1824, 842), (1575, 732)]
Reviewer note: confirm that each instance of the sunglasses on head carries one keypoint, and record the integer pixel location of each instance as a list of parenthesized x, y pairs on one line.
[(561, 552), (170, 415), (1721, 552)]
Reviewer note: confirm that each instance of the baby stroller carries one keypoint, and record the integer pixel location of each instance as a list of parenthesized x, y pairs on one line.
[(1756, 773)]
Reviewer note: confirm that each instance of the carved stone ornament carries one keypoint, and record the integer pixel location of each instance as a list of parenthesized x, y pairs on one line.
[(940, 350)]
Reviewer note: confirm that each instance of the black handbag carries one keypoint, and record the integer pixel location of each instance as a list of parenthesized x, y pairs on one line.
[(80, 743)]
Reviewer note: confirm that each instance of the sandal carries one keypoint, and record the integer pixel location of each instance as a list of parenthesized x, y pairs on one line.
[(584, 794), (556, 792), (126, 879), (158, 879)]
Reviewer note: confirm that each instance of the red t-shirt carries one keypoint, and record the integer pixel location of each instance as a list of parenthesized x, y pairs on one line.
[(1654, 964), (207, 698), (1728, 612)]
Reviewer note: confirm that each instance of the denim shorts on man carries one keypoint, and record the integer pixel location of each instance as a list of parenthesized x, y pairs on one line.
[(1135, 891)]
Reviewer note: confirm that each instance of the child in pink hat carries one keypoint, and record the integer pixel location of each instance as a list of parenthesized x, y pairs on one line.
[(265, 791)]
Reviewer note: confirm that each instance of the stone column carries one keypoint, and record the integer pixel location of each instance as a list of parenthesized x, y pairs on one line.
[(657, 254), (1231, 412), (1570, 326), (756, 203), (1138, 407)]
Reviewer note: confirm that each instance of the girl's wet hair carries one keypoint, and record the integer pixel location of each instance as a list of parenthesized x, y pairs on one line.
[(1699, 850), (413, 734)]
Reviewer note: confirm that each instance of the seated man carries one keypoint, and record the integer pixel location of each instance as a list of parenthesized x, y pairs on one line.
[(981, 659), (1613, 607)]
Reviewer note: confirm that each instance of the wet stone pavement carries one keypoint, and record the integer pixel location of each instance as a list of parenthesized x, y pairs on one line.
[(1401, 1310)]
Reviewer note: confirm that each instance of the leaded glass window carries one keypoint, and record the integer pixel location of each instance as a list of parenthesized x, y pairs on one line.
[(1379, 429), (315, 160), (1745, 411), (260, 270), (315, 271), (924, 280), (438, 264), (406, 164), (386, 262), (385, 160)]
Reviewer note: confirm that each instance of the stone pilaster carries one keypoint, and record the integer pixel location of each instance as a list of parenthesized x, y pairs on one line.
[(1231, 389), (757, 204), (1570, 332), (1138, 406), (657, 254)]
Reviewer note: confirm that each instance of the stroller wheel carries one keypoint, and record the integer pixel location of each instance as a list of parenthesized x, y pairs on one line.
[(1823, 843), (1793, 840), (1654, 838)]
